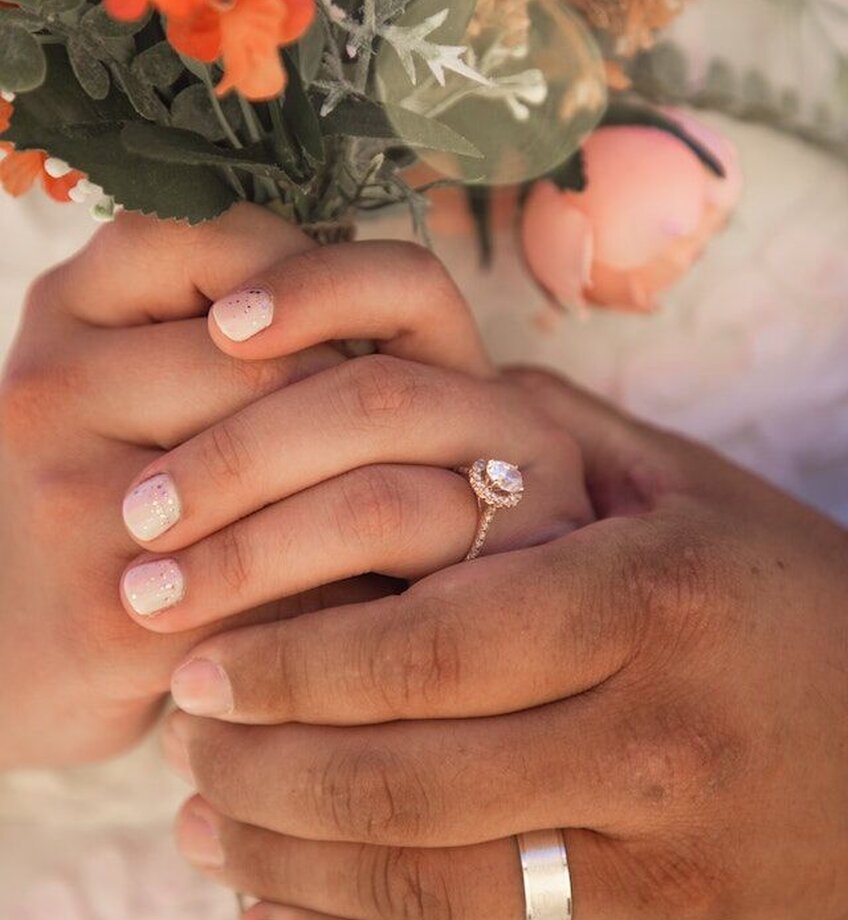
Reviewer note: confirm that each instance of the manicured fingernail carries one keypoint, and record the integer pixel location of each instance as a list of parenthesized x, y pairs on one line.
[(243, 314), (153, 586), (152, 507), (202, 688), (198, 841), (176, 752)]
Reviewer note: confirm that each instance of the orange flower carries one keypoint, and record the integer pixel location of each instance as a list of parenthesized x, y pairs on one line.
[(19, 169), (245, 34)]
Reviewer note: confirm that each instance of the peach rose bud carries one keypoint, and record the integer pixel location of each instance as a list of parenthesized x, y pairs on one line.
[(649, 209)]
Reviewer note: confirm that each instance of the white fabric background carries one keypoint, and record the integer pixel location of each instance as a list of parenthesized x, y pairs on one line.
[(751, 354)]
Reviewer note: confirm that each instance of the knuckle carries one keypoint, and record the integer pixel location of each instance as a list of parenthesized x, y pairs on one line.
[(429, 270), (675, 576), (683, 881), (380, 389), (233, 552), (227, 456), (373, 796), (680, 754), (32, 395), (255, 379), (401, 884), (311, 279), (411, 669), (374, 505)]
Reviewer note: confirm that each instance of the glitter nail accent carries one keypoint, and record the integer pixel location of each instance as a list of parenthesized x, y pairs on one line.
[(244, 314), (152, 507), (153, 586)]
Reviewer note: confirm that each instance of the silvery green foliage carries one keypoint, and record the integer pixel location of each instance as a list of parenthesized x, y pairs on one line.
[(113, 100)]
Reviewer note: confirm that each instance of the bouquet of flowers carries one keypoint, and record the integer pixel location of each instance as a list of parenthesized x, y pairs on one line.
[(315, 108)]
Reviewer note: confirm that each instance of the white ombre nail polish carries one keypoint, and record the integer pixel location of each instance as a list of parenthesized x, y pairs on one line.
[(152, 507), (153, 586), (243, 314)]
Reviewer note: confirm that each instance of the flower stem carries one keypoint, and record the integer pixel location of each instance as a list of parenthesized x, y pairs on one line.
[(226, 127), (254, 132)]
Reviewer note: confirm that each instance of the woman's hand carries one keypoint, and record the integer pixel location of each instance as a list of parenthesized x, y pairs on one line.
[(95, 388), (352, 470), (668, 685)]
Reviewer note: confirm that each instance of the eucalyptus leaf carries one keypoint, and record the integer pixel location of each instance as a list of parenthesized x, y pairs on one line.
[(359, 117), (193, 66), (22, 19), (102, 24), (173, 145), (61, 103), (23, 66), (107, 50), (58, 7), (158, 65), (192, 110), (142, 97), (92, 74), (301, 117), (310, 51), (119, 48)]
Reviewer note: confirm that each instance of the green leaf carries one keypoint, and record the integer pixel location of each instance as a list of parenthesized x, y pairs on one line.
[(571, 175), (58, 7), (173, 145), (142, 97), (158, 65), (22, 63), (301, 117), (192, 110), (98, 21), (22, 19), (92, 74), (358, 117), (624, 113), (50, 8), (310, 51), (479, 200), (60, 118)]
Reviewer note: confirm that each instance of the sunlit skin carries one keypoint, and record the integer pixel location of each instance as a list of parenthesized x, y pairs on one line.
[(653, 650), (113, 368)]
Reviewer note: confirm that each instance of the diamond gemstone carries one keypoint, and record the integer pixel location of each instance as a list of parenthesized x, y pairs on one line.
[(505, 476)]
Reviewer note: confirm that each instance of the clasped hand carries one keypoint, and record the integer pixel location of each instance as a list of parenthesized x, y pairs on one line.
[(652, 656)]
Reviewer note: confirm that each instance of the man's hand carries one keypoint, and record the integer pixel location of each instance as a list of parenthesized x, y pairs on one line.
[(668, 685)]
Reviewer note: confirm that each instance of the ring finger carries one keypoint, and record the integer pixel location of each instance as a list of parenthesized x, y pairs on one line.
[(368, 411), (401, 521), (313, 880)]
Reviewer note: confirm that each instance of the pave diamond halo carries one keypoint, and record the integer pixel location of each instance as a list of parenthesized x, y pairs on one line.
[(497, 484)]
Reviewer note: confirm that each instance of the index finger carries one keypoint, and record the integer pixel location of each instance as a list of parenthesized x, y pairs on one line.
[(139, 270), (396, 293), (504, 634)]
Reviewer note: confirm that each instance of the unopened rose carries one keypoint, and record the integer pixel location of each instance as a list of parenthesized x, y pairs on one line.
[(649, 209)]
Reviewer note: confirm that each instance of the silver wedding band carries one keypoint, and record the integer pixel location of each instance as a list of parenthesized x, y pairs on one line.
[(547, 879)]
